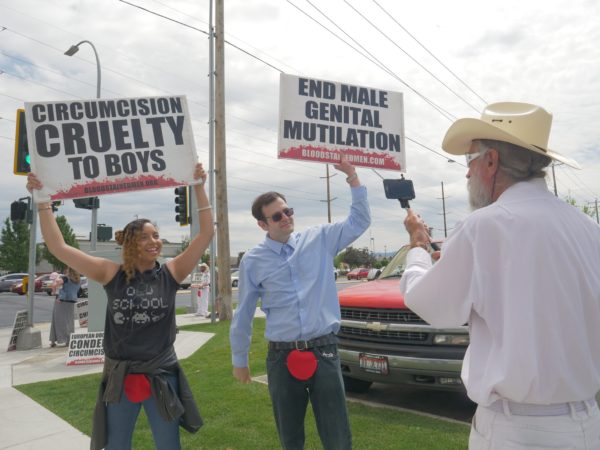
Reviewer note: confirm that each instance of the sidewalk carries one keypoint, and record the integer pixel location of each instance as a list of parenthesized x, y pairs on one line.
[(25, 424)]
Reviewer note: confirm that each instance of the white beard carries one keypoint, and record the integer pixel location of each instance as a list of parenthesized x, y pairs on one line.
[(479, 195)]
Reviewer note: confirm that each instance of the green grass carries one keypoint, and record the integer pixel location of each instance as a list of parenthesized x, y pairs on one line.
[(239, 416)]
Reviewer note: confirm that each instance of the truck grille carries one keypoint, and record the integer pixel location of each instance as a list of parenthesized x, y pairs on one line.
[(381, 315), (358, 333)]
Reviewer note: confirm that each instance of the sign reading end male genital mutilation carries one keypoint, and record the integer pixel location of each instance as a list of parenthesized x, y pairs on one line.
[(87, 148), (319, 120)]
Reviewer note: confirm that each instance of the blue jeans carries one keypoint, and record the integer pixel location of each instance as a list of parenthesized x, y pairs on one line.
[(122, 416), (326, 393)]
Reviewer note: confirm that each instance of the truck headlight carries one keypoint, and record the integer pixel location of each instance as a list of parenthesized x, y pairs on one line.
[(451, 339)]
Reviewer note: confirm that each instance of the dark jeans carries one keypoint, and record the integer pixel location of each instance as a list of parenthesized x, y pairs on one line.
[(122, 417), (326, 393)]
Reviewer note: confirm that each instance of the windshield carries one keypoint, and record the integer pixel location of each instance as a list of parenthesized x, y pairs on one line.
[(396, 266)]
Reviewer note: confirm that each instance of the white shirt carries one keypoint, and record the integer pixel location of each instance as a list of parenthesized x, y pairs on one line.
[(524, 272)]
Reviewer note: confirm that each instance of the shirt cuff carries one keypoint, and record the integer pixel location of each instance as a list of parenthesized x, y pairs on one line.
[(358, 192), (239, 360), (418, 256)]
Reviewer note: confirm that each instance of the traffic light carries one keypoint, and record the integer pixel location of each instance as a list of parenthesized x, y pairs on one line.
[(104, 233), (22, 161), (18, 211), (87, 203), (182, 205)]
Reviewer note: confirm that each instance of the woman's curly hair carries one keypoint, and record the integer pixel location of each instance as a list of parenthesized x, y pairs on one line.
[(128, 238)]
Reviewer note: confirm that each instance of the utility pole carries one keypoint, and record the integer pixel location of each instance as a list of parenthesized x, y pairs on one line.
[(223, 284), (211, 156), (329, 199), (597, 221), (554, 180), (444, 210), (30, 338)]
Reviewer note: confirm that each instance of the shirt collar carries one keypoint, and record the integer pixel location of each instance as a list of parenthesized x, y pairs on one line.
[(515, 192), (276, 246)]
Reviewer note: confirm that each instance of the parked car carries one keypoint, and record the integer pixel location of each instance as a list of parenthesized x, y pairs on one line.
[(7, 281), (17, 288), (186, 283), (235, 275), (383, 341), (374, 273), (358, 274), (83, 289)]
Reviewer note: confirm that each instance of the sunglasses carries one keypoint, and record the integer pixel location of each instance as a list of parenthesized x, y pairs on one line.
[(471, 156), (289, 212)]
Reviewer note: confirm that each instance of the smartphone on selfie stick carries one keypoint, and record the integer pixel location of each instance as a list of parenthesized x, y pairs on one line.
[(403, 191)]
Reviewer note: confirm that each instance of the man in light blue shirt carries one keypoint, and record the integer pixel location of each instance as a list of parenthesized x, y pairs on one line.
[(291, 274)]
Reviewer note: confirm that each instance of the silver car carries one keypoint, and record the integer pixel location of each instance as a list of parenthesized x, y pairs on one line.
[(7, 281)]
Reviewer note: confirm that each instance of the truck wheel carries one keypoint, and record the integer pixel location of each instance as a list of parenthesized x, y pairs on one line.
[(355, 385)]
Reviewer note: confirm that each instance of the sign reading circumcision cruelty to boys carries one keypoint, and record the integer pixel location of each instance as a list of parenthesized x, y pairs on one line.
[(319, 120), (85, 148)]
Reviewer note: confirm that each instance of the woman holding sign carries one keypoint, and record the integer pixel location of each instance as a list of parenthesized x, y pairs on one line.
[(62, 324), (141, 367)]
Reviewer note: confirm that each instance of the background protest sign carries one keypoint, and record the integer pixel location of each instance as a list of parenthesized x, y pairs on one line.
[(320, 119), (19, 325), (94, 147), (85, 348)]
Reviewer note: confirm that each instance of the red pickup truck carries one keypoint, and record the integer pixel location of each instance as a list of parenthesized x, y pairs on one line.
[(383, 341)]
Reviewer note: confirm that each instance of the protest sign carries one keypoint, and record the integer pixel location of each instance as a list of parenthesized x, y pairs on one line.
[(86, 348), (81, 312), (19, 325), (94, 147), (319, 120)]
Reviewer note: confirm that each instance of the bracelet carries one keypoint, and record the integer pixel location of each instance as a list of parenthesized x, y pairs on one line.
[(42, 209), (204, 208), (351, 178)]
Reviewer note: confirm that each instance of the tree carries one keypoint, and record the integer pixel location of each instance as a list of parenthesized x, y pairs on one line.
[(357, 257), (585, 208), (14, 248), (239, 258), (68, 236)]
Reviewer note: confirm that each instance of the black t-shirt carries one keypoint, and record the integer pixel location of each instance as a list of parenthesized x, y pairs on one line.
[(140, 316)]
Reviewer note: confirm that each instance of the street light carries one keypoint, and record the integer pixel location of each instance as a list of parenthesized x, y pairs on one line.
[(70, 52), (75, 48)]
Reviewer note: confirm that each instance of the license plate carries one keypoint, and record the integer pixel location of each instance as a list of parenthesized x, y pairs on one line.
[(373, 363)]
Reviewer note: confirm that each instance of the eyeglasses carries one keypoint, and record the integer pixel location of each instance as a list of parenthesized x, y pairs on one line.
[(289, 212), (471, 156)]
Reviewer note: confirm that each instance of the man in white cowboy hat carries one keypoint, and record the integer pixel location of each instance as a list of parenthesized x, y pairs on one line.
[(523, 270)]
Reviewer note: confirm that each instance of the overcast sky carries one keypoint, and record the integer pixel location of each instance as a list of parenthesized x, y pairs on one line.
[(545, 53)]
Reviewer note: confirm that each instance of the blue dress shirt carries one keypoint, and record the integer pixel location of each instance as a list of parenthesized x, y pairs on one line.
[(295, 282)]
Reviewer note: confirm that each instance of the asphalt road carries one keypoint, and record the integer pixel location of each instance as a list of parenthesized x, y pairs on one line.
[(451, 405), (11, 303)]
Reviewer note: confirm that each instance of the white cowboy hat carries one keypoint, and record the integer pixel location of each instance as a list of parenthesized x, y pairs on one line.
[(521, 124)]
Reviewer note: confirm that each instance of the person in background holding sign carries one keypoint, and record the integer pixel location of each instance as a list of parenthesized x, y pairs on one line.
[(63, 316), (291, 273), (203, 291), (522, 270), (141, 367)]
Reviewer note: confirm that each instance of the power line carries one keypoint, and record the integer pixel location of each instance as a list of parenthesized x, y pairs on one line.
[(427, 50), (201, 31), (377, 63), (409, 55)]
